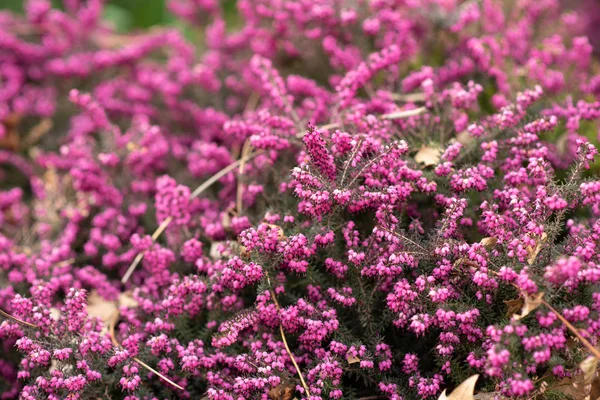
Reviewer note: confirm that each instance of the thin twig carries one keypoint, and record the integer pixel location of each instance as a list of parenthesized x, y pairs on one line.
[(404, 113), (349, 162), (287, 348), (575, 331), (208, 183), (111, 332), (7, 315), (402, 237), (390, 116), (285, 343), (409, 98), (252, 101), (149, 368), (139, 256), (38, 131), (240, 187)]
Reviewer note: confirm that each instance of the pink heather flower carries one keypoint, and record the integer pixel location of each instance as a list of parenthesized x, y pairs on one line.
[(562, 270), (313, 221), (172, 200), (320, 157)]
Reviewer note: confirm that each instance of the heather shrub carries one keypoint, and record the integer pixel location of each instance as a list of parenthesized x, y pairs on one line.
[(325, 199)]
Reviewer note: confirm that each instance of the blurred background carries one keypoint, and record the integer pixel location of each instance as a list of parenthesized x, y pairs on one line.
[(124, 14), (127, 15)]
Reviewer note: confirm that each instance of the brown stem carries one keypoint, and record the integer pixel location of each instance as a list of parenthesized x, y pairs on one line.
[(208, 183), (240, 187), (575, 331), (111, 332), (7, 315), (149, 368), (391, 116), (285, 343)]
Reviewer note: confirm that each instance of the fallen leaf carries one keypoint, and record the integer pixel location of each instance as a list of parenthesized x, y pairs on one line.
[(59, 365), (215, 251), (595, 389), (530, 304), (126, 300), (573, 388), (107, 311), (532, 253), (465, 138), (514, 306), (489, 242), (464, 391), (489, 396), (11, 139), (589, 367), (428, 155), (283, 391), (280, 233), (352, 359), (55, 313)]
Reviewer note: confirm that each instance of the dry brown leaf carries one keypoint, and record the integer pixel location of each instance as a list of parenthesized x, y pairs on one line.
[(214, 251), (514, 306), (227, 216), (428, 155), (489, 396), (595, 389), (573, 388), (530, 304), (55, 313), (280, 233), (465, 138), (59, 365), (532, 253), (106, 310), (352, 359), (284, 391), (589, 367), (244, 253), (126, 300), (464, 391), (11, 139), (489, 242)]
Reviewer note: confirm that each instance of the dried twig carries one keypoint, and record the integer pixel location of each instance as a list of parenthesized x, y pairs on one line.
[(139, 256), (285, 343), (405, 113), (575, 331), (409, 98), (208, 183), (393, 115), (38, 131), (149, 368), (7, 315), (111, 332), (240, 187), (399, 236)]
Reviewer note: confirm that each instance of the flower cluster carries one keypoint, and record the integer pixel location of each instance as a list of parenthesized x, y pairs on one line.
[(333, 199)]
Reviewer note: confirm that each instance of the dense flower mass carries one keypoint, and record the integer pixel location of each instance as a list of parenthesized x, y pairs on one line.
[(326, 199)]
